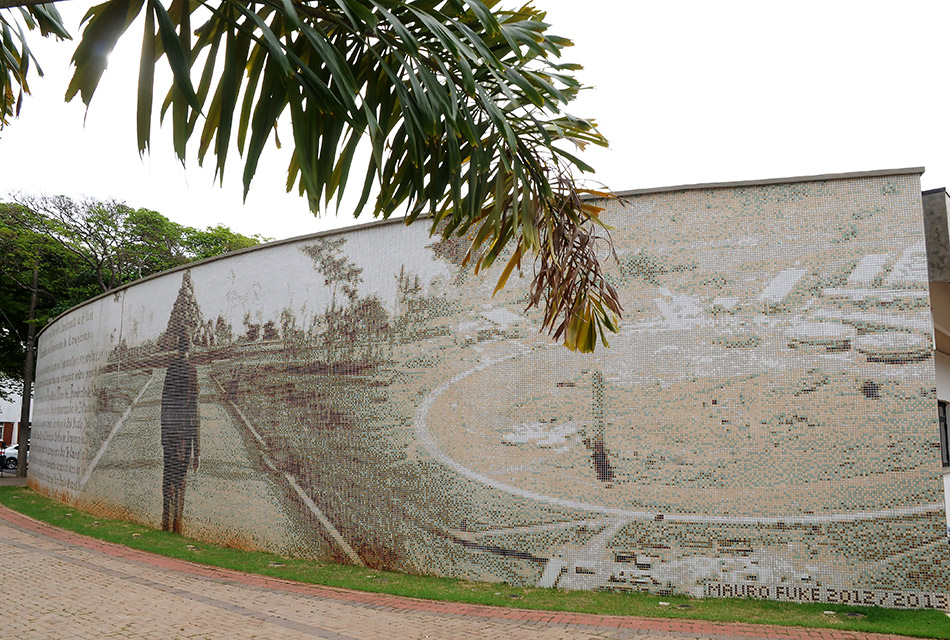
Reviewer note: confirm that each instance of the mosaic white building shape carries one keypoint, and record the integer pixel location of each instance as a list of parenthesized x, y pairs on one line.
[(781, 285), (868, 270), (911, 268)]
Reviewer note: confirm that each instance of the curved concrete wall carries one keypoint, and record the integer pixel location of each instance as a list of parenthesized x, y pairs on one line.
[(764, 426)]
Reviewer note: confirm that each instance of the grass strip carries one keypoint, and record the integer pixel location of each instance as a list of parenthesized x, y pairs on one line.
[(925, 624)]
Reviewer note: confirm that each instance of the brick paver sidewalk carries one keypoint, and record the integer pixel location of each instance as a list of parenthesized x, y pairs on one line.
[(78, 587)]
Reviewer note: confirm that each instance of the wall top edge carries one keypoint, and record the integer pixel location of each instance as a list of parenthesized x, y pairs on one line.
[(824, 177), (377, 223), (185, 267)]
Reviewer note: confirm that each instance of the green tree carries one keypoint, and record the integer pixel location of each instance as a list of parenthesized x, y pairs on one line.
[(213, 241), (150, 243), (458, 104), (114, 241), (119, 244), (63, 279)]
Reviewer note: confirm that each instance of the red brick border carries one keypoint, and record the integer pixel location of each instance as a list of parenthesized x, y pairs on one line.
[(673, 626)]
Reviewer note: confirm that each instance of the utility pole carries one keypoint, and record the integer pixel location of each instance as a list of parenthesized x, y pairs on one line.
[(24, 434)]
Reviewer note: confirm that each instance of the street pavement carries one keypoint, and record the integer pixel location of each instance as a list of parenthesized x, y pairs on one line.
[(65, 586)]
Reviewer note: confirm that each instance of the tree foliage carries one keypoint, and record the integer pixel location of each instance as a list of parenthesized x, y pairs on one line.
[(20, 251), (457, 105), (83, 249), (118, 244)]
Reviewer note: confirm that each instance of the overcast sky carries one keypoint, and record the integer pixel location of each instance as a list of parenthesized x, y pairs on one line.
[(687, 92)]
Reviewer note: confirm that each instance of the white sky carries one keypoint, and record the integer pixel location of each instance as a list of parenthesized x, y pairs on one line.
[(687, 92)]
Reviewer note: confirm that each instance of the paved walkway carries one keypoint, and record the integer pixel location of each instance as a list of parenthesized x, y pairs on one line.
[(78, 587)]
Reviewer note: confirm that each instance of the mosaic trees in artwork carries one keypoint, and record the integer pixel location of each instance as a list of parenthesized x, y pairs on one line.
[(351, 329), (408, 292), (222, 332), (252, 330), (288, 328), (417, 312)]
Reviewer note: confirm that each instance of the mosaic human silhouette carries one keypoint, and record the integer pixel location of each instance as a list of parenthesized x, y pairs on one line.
[(179, 434)]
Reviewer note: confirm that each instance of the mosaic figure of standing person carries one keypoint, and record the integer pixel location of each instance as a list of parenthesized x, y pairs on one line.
[(179, 434)]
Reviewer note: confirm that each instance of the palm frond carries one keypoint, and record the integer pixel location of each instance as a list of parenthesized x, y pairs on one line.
[(458, 102), (16, 59)]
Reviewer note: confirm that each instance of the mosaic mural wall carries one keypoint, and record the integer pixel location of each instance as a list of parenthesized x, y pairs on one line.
[(764, 426)]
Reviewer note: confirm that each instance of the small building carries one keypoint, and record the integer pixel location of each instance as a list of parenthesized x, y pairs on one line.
[(936, 215), (10, 419)]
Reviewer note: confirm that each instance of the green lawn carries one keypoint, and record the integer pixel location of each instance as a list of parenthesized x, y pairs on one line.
[(927, 624)]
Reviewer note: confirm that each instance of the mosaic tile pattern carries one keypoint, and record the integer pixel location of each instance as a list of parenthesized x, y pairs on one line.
[(763, 426)]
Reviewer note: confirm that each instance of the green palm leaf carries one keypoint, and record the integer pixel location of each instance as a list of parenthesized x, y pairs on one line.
[(458, 101), (16, 58)]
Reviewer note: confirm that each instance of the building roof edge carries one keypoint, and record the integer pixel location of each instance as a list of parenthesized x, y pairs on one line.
[(770, 181)]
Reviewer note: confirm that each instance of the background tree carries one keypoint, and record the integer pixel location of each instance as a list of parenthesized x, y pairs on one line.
[(119, 244), (199, 244), (456, 102), (63, 279)]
